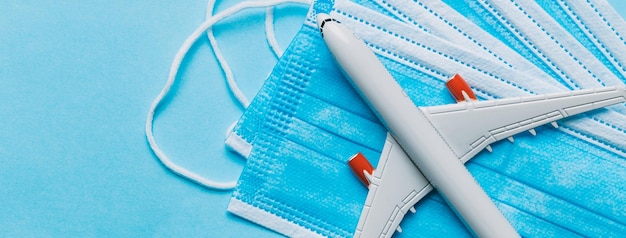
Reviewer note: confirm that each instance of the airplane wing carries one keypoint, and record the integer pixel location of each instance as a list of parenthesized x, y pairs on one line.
[(468, 127), (395, 186), (471, 127)]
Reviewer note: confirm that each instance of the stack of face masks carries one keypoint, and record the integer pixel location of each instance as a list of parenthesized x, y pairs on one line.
[(306, 121)]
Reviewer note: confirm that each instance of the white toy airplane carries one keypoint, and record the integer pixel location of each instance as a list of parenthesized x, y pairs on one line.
[(439, 139)]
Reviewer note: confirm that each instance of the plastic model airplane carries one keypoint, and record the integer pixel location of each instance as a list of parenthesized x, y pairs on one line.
[(438, 140)]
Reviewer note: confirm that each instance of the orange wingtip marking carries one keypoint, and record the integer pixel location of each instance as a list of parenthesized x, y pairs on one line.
[(360, 165), (456, 85)]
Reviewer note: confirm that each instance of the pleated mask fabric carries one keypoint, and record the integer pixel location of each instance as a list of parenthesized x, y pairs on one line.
[(306, 122)]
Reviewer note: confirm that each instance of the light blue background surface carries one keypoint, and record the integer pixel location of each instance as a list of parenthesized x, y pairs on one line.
[(76, 81)]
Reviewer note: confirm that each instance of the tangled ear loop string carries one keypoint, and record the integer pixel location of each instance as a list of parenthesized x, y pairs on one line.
[(228, 73), (269, 32), (186, 46), (233, 86)]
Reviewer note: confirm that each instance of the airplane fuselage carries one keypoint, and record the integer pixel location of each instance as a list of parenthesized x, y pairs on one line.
[(414, 132)]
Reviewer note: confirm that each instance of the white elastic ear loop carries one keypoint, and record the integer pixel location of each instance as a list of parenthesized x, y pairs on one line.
[(269, 33), (233, 86), (180, 171), (228, 73)]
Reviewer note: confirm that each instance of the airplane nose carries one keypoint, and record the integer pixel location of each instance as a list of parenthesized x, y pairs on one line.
[(321, 18)]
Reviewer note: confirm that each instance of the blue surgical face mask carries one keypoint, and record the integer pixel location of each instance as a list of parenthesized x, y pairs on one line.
[(291, 170), (437, 18), (526, 27), (597, 26), (307, 121)]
